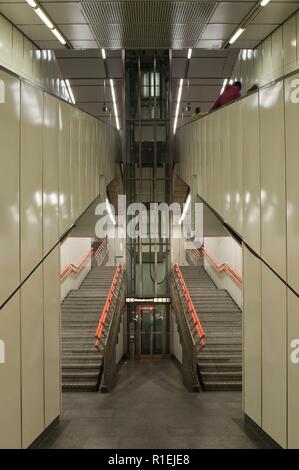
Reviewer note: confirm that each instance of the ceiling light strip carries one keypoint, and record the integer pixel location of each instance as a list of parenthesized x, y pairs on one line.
[(247, 21), (47, 21), (178, 105), (114, 103)]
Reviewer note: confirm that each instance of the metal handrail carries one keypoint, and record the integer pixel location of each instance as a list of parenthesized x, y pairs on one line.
[(198, 327), (220, 267), (72, 268), (108, 303)]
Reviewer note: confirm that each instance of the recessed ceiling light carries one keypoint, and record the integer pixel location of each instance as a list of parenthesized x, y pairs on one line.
[(236, 35), (264, 3), (44, 18), (32, 3), (59, 36)]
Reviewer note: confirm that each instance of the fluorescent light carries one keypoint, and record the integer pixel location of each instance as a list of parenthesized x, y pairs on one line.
[(59, 36), (189, 53), (264, 3), (223, 86), (110, 213), (44, 18), (178, 105), (186, 207), (69, 88), (236, 35), (114, 103), (103, 54), (32, 3)]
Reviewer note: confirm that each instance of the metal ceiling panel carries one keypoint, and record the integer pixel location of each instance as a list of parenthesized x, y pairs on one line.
[(20, 13), (231, 12), (65, 13), (76, 32), (276, 13), (145, 24), (204, 67), (85, 68), (218, 31)]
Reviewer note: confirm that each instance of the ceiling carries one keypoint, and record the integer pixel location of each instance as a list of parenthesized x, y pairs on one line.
[(202, 25)]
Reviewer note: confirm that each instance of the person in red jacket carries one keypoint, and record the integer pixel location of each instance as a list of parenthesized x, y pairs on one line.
[(231, 93)]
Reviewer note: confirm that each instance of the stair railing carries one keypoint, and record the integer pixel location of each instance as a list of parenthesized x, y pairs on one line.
[(72, 268), (108, 328), (218, 267), (101, 253), (191, 333), (184, 294)]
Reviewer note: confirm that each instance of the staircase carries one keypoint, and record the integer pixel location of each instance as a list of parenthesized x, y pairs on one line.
[(80, 312), (220, 362)]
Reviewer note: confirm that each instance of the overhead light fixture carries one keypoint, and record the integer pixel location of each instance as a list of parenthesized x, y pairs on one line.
[(223, 86), (189, 53), (59, 36), (32, 3), (44, 18), (236, 35), (263, 3), (69, 89), (110, 213), (185, 210), (103, 54), (178, 105), (114, 103)]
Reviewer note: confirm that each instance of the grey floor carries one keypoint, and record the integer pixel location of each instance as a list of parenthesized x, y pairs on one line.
[(150, 408)]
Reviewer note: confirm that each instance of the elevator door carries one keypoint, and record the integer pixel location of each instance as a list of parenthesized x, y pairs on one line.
[(153, 328)]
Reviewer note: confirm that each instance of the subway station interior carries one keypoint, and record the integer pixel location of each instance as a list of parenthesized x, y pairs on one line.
[(149, 207)]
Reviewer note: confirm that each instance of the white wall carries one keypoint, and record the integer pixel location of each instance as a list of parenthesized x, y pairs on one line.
[(225, 250), (72, 251)]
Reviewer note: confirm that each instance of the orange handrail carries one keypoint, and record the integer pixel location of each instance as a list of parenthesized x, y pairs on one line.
[(101, 247), (198, 326), (72, 268), (224, 267), (76, 269), (107, 305)]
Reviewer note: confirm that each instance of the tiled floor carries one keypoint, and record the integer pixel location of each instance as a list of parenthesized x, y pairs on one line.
[(150, 408)]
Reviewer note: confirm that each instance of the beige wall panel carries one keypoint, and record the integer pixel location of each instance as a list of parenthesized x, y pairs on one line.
[(273, 204), (274, 360), (75, 163), (267, 60), (64, 168), (203, 157), (37, 66), (292, 171), (88, 160), (289, 44), (50, 173), (28, 59), (82, 162), (17, 50), (52, 336), (251, 172), (225, 164), (32, 357), (216, 161), (5, 41), (236, 156), (252, 307), (277, 53), (31, 177), (10, 375), (209, 160), (293, 371), (9, 185)]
